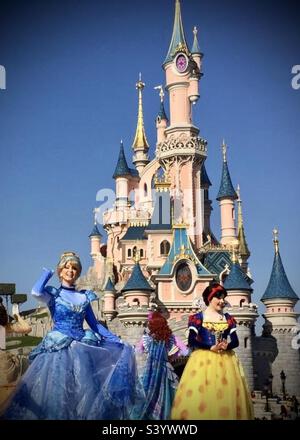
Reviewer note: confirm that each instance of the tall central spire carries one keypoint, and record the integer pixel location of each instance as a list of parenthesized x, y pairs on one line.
[(178, 41), (140, 144)]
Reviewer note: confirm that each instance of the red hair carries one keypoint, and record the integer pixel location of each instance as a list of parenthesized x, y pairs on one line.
[(158, 327)]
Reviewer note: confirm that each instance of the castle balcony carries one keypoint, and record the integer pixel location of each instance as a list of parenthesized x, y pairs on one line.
[(136, 217), (182, 145)]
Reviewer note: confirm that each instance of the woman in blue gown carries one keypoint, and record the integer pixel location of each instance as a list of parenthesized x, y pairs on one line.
[(75, 374)]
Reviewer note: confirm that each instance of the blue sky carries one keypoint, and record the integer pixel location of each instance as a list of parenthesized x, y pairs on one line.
[(71, 71)]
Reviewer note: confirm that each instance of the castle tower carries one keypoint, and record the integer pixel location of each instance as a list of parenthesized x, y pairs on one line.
[(205, 184), (245, 313), (95, 238), (161, 119), (281, 321), (243, 247), (226, 196), (122, 175), (140, 144), (109, 300), (182, 152), (136, 293)]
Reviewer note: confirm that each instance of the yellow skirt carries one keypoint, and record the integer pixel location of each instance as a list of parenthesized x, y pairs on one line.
[(212, 387)]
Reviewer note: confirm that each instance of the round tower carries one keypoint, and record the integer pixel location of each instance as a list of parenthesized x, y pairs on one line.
[(161, 119), (122, 175), (134, 312), (245, 313), (281, 323), (109, 300), (226, 196)]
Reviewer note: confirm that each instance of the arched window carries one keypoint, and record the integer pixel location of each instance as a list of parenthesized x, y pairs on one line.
[(141, 253), (145, 190), (241, 302), (164, 247), (246, 342), (129, 253)]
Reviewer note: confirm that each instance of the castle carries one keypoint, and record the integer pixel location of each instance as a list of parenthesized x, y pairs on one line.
[(160, 250)]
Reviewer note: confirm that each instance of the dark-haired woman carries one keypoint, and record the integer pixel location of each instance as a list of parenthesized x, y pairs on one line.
[(213, 385)]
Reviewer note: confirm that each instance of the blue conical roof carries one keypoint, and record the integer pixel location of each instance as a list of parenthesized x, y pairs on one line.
[(162, 113), (122, 168), (236, 279), (109, 286), (95, 232), (226, 190), (178, 41), (279, 286), (204, 177), (137, 281)]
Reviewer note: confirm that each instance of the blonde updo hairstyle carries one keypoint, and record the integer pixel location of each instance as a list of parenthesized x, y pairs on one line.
[(68, 257)]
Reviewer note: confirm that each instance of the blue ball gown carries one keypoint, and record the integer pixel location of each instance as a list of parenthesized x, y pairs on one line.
[(76, 374)]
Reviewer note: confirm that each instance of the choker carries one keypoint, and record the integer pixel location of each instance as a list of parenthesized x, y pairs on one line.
[(67, 288)]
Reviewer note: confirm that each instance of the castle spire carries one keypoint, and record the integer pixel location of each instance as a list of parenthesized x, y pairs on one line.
[(122, 168), (226, 190), (178, 41), (279, 286), (140, 144), (243, 247)]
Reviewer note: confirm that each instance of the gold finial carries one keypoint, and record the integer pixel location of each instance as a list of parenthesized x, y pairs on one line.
[(140, 140), (140, 85), (161, 92), (224, 150), (137, 256), (275, 240), (195, 31)]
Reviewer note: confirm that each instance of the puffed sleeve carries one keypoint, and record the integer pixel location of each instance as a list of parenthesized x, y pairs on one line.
[(234, 340), (194, 339)]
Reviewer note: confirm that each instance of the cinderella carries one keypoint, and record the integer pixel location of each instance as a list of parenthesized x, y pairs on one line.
[(74, 373)]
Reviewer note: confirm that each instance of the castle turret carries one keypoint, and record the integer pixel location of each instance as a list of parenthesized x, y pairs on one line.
[(205, 184), (245, 313), (226, 196), (122, 175), (95, 238), (161, 119), (281, 323), (140, 144), (243, 247), (109, 300)]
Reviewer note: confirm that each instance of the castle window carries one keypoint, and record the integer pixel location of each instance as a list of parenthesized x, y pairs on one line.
[(286, 309), (279, 310), (129, 253), (141, 253), (273, 310), (134, 251), (241, 302), (145, 190), (183, 277), (164, 248), (246, 342)]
